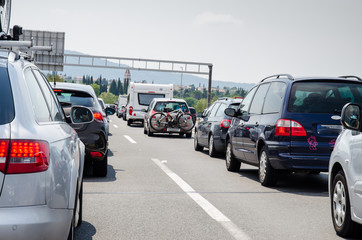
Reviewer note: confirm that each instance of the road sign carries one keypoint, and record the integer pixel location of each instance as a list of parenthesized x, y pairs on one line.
[(47, 61)]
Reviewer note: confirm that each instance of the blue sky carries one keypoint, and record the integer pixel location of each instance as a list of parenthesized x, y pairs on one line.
[(246, 40)]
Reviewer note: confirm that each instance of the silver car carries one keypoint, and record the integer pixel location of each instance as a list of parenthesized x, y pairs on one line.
[(41, 156), (345, 175)]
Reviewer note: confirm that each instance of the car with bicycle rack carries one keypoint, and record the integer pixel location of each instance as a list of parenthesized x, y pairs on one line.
[(168, 115), (287, 124)]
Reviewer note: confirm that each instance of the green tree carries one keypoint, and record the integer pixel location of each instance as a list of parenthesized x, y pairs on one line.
[(51, 78), (96, 88), (197, 94), (109, 98), (201, 105), (191, 101), (113, 88)]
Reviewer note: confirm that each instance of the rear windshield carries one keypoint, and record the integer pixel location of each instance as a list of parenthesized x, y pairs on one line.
[(170, 106), (323, 97), (74, 97), (146, 98), (7, 112)]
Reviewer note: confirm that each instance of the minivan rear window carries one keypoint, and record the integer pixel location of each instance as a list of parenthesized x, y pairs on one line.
[(146, 98), (7, 111), (323, 97)]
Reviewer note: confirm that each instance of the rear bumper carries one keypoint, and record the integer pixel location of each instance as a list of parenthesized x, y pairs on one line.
[(281, 158), (35, 222)]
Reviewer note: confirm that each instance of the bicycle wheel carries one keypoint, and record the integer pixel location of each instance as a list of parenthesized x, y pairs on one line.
[(5, 10), (158, 121), (185, 122)]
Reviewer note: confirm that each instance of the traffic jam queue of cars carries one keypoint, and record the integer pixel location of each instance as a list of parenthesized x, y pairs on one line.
[(287, 124)]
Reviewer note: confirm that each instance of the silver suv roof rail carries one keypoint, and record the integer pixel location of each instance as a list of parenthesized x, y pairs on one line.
[(24, 49), (290, 77), (351, 76)]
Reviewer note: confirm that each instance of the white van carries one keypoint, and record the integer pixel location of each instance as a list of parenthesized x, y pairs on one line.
[(122, 101), (140, 96)]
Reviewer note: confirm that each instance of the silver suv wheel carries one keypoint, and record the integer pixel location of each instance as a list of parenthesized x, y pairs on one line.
[(339, 203)]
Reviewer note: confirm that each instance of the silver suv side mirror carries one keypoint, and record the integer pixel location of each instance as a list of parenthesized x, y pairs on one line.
[(351, 116)]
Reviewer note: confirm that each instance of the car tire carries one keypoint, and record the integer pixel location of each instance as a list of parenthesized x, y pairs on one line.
[(129, 122), (100, 167), (341, 208), (80, 217), (212, 150), (197, 146), (268, 176), (149, 133), (232, 164), (188, 135)]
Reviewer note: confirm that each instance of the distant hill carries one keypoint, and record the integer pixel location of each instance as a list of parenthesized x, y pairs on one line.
[(149, 76)]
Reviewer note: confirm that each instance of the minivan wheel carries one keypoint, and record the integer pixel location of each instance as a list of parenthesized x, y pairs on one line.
[(341, 209), (267, 174), (232, 164), (212, 150), (197, 146)]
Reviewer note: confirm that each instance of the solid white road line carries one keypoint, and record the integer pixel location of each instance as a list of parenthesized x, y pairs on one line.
[(129, 139), (114, 125), (212, 211)]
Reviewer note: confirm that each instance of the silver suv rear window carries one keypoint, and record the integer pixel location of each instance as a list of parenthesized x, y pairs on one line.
[(323, 97)]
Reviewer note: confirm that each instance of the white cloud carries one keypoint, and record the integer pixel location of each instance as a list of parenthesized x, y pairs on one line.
[(209, 18)]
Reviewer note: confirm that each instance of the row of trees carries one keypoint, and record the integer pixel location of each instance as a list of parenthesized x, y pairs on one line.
[(194, 97)]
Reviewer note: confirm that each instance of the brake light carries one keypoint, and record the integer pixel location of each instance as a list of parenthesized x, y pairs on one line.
[(152, 112), (96, 154), (130, 111), (25, 156), (57, 90), (286, 127), (98, 116), (225, 123)]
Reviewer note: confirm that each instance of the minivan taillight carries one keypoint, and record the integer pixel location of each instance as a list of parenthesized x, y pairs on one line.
[(130, 111), (291, 128), (225, 123), (23, 156)]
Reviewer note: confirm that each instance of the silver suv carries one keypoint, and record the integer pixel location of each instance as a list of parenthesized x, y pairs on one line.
[(345, 175), (41, 156)]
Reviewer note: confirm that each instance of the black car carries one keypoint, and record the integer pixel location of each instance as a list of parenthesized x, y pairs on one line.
[(211, 129), (288, 124), (93, 135)]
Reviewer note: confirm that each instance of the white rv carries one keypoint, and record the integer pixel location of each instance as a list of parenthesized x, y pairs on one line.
[(140, 96)]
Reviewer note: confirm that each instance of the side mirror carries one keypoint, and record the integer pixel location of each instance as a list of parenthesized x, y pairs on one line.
[(81, 115), (351, 116), (231, 112), (109, 111)]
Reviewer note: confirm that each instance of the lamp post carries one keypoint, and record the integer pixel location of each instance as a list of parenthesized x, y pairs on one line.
[(182, 69)]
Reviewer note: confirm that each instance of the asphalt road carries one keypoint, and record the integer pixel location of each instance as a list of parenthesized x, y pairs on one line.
[(160, 188)]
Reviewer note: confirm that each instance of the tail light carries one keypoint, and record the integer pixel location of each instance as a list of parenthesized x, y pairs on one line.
[(286, 127), (152, 112), (225, 123), (98, 116), (23, 156), (96, 154), (130, 111)]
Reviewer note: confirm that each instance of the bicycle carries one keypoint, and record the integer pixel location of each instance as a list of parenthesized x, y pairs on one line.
[(175, 119)]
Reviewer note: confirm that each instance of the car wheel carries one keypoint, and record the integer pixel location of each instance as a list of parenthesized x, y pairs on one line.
[(100, 167), (144, 129), (340, 207), (129, 122), (212, 150), (149, 133), (188, 135), (267, 174), (232, 164), (197, 146)]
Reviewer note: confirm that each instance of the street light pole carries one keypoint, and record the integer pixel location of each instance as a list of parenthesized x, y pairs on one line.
[(182, 69)]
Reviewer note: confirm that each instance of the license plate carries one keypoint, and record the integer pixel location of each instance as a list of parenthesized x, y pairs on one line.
[(173, 130)]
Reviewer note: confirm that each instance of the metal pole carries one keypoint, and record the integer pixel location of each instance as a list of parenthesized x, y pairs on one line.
[(181, 81), (209, 90)]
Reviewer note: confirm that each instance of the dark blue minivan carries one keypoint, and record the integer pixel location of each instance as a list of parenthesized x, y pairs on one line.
[(289, 124)]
